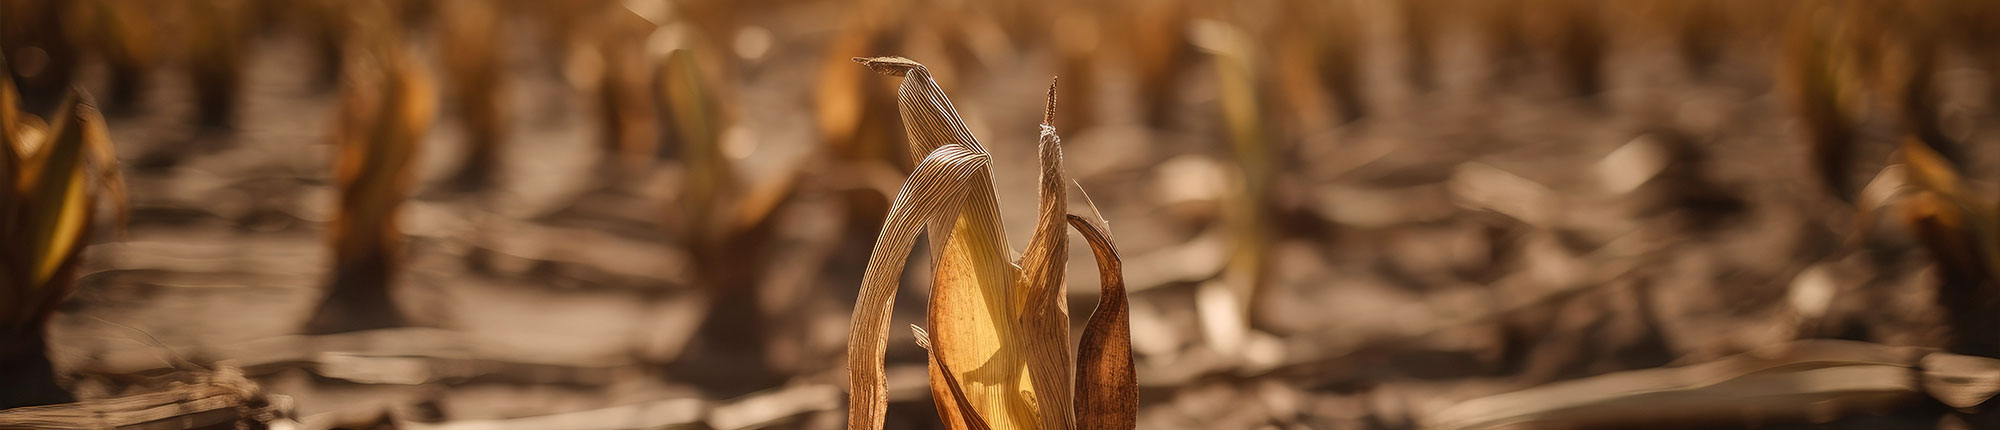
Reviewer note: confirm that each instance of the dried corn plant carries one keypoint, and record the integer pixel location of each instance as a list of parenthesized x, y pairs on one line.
[(1077, 41), (218, 33), (728, 222), (1573, 33), (1812, 78), (1155, 34), (43, 55), (385, 110), (609, 63), (1701, 34), (52, 176), (999, 330), (1961, 230), (122, 33), (1247, 215), (1504, 38), (1420, 22), (325, 24), (475, 61), (1906, 76), (855, 115), (1332, 31)]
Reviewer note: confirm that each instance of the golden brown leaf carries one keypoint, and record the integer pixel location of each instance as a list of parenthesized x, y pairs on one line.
[(57, 207), (1107, 387), (970, 419)]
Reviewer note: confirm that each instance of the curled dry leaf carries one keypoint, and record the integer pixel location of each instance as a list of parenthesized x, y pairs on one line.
[(1107, 387)]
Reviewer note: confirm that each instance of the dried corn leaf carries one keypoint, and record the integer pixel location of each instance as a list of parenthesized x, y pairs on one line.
[(56, 184), (970, 298), (931, 197), (58, 209), (968, 421), (691, 115), (1799, 382), (1107, 387), (1043, 306)]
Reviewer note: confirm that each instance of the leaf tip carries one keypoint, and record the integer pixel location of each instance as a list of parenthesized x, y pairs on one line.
[(892, 66), (1049, 113)]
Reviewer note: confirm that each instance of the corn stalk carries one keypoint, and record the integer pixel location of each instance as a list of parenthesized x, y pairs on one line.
[(998, 339)]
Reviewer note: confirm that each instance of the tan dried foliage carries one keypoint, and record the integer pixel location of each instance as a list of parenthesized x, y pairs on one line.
[(1000, 355)]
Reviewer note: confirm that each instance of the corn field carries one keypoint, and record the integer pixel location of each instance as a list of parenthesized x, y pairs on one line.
[(948, 214)]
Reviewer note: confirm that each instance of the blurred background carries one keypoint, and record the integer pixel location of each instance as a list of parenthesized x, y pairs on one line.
[(540, 214)]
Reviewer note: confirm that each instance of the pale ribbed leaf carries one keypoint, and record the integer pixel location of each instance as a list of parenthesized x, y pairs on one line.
[(933, 192), (1045, 310), (1107, 387), (971, 294)]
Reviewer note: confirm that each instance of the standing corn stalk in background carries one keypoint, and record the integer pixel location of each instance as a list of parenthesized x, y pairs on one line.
[(218, 41), (386, 108), (1577, 37), (475, 60), (1229, 306), (1810, 75), (51, 176), (999, 330), (43, 56), (1332, 32), (731, 226), (612, 65), (121, 32)]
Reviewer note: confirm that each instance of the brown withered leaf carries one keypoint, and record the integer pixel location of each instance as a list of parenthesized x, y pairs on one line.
[(1107, 387), (970, 293), (969, 420), (931, 194)]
